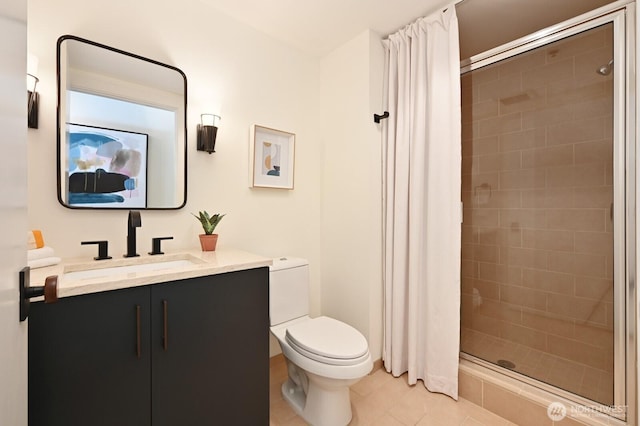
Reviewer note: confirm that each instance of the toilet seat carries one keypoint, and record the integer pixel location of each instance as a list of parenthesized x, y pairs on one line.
[(328, 341)]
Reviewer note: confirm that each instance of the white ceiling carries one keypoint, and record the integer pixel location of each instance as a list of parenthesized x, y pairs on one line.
[(320, 26)]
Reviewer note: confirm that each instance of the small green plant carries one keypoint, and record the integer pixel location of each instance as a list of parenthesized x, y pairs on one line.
[(208, 223)]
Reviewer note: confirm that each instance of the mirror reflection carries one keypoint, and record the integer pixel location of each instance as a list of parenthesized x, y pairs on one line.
[(121, 129)]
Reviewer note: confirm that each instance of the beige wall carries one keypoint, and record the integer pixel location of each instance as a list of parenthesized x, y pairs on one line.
[(537, 188), (351, 91)]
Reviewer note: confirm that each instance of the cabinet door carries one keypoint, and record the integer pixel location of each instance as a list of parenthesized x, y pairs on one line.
[(212, 366), (84, 367)]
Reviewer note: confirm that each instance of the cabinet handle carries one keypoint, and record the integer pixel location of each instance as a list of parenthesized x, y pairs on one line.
[(138, 348), (165, 329)]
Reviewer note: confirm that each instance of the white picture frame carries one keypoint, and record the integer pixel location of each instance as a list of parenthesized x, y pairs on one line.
[(272, 158)]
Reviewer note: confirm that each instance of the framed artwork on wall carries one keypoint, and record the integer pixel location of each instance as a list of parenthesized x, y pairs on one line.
[(106, 168), (272, 158)]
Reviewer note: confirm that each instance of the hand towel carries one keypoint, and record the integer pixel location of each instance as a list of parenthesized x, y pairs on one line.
[(40, 253), (41, 263)]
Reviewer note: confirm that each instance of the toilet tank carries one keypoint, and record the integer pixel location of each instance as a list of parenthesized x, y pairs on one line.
[(288, 289)]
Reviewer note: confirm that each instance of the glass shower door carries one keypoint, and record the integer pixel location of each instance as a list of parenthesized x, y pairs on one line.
[(541, 168)]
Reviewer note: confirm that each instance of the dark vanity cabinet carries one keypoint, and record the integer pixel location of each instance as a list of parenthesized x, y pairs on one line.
[(188, 352)]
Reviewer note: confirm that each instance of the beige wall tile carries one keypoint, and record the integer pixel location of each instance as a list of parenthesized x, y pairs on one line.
[(591, 174), (576, 308), (470, 388), (549, 197), (520, 63), (562, 262), (487, 325), (528, 139), (577, 219), (594, 152), (468, 268), (548, 157), (525, 336), (500, 88), (510, 406), (500, 310), (521, 296), (542, 75), (485, 109), (596, 107), (522, 179), (481, 76), (601, 337), (595, 288), (488, 254), (537, 120), (485, 218), (548, 240), (594, 242), (529, 100), (574, 91), (469, 235), (590, 265), (469, 182), (501, 161), (576, 131), (544, 322), (487, 289), (516, 219), (592, 356), (496, 198), (552, 282), (502, 124), (524, 257), (576, 45), (501, 237), (481, 146)]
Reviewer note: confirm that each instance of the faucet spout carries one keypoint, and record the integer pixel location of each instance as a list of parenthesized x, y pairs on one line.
[(133, 222)]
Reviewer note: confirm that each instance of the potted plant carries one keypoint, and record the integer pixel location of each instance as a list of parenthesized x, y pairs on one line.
[(208, 240)]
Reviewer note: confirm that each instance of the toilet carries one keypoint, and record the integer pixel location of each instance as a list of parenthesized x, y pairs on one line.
[(324, 356)]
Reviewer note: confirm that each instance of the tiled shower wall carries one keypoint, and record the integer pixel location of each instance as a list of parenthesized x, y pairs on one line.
[(537, 258)]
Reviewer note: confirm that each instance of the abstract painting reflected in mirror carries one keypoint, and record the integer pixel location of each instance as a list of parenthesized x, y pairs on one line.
[(101, 87), (107, 168)]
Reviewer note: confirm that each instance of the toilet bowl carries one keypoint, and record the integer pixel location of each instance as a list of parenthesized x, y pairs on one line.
[(324, 356)]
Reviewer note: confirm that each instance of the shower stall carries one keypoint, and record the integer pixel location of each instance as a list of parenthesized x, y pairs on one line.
[(548, 236)]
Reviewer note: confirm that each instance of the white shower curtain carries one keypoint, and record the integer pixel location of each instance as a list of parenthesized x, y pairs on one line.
[(422, 210)]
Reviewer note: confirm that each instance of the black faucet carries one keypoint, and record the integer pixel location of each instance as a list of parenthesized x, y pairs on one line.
[(133, 223)]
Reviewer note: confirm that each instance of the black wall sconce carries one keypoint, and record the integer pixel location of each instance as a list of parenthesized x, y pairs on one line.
[(32, 95), (207, 131)]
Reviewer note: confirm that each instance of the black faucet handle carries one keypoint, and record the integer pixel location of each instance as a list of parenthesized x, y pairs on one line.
[(103, 249), (155, 245)]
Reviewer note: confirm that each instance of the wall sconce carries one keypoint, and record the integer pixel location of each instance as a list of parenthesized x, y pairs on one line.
[(207, 131), (32, 95)]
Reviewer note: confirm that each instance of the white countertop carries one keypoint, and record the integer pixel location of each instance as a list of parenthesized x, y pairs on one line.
[(203, 263)]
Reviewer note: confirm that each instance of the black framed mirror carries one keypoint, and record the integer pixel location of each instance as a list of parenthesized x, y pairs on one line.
[(122, 137)]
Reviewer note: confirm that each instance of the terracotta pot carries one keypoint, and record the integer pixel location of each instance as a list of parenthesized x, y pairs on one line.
[(208, 242)]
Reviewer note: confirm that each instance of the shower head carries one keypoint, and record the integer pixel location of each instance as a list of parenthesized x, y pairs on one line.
[(605, 69)]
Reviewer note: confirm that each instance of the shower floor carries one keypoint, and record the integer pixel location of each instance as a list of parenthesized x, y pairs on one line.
[(569, 375)]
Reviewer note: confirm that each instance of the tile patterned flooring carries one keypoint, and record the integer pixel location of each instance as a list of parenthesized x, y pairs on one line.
[(379, 399)]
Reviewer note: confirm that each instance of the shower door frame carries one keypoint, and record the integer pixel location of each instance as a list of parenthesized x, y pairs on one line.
[(622, 15)]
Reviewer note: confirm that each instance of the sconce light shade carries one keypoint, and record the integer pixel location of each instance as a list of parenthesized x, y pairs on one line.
[(32, 95), (207, 132)]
